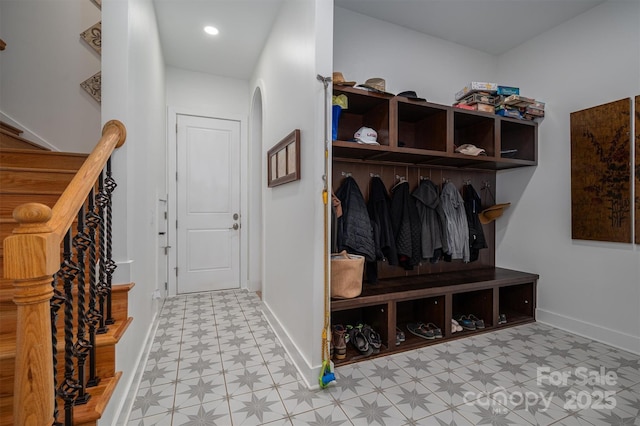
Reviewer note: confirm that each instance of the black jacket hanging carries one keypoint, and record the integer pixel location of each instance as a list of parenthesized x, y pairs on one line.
[(406, 226), (355, 234), (473, 206), (380, 215)]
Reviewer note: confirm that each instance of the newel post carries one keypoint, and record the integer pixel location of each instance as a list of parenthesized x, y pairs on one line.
[(32, 256)]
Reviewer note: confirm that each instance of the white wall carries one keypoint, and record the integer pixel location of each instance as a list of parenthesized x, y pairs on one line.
[(591, 288), (134, 93), (366, 47), (206, 92), (42, 68), (294, 54)]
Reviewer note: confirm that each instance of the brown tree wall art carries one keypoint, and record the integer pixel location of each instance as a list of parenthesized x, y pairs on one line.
[(601, 204)]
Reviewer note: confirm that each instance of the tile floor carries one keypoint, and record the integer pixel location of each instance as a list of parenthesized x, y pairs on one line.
[(215, 361)]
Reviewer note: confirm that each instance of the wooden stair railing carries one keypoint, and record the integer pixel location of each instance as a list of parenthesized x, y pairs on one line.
[(31, 259)]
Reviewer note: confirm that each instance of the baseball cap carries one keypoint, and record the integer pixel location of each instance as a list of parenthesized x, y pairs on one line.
[(366, 135), (469, 149)]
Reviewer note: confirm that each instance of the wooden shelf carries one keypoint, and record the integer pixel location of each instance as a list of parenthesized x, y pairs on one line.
[(424, 133)]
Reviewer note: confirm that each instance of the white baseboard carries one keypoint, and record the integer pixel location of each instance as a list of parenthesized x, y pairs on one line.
[(122, 415), (615, 338), (307, 372)]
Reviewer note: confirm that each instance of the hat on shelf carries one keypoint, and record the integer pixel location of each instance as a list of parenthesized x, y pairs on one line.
[(341, 100), (411, 95), (338, 80), (469, 149), (492, 213), (375, 84), (366, 135)]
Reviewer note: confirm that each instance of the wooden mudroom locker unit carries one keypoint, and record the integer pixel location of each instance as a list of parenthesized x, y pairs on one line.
[(417, 141)]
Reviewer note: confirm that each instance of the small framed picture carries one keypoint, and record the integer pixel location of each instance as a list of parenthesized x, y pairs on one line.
[(283, 160)]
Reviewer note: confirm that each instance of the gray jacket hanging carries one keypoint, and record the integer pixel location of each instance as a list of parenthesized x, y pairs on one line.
[(433, 223), (457, 228)]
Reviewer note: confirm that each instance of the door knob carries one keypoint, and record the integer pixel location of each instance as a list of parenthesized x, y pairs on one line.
[(235, 227), (235, 216)]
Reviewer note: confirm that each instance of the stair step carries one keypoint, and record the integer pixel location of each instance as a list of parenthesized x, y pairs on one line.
[(15, 180), (11, 201), (41, 159), (8, 309), (89, 413), (105, 369), (83, 415), (9, 139), (9, 128)]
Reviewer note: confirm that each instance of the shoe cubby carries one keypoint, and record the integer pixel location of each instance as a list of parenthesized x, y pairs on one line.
[(367, 109), (437, 297), (421, 126), (517, 303), (375, 316), (478, 303), (424, 310), (476, 129), (517, 140)]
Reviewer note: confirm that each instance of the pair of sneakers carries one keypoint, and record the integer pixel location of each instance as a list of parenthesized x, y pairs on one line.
[(426, 331), (365, 339), (470, 322)]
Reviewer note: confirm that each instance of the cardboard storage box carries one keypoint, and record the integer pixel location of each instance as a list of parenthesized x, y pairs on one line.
[(506, 111), (518, 101), (479, 98), (508, 91), (476, 86)]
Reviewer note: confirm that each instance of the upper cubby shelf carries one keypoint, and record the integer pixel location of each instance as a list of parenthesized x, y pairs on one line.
[(424, 133)]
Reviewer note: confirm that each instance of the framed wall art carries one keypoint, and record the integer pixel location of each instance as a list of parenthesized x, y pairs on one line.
[(283, 160), (601, 204)]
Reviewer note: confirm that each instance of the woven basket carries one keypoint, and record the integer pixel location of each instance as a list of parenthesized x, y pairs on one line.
[(346, 275)]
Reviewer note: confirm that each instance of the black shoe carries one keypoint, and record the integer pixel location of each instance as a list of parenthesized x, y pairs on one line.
[(373, 337)]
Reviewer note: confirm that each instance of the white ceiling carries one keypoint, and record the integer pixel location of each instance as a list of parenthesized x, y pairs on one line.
[(492, 26), (244, 26)]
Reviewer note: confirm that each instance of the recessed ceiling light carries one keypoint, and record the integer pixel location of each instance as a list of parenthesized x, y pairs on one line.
[(211, 30)]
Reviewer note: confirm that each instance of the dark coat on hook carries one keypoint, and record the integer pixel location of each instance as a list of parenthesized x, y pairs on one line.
[(406, 226), (380, 215), (473, 206), (355, 234)]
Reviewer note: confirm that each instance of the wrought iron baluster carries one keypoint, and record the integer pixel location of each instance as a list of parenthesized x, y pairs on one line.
[(81, 243), (93, 315), (102, 200), (110, 186), (56, 303), (69, 387)]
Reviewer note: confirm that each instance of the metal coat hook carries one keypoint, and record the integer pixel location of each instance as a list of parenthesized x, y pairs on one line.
[(346, 174)]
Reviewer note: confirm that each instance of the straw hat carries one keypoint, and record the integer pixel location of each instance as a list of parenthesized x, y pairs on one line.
[(492, 213), (376, 84), (338, 80)]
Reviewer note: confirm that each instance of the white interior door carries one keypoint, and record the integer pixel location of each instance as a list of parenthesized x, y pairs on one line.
[(208, 204)]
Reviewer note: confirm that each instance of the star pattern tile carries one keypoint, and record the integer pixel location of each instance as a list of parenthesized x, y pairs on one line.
[(216, 361)]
